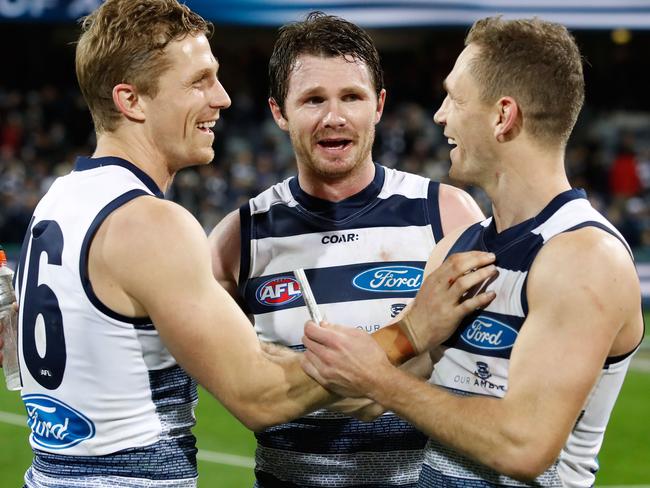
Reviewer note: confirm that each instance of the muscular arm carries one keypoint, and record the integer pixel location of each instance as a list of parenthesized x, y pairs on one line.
[(165, 272), (582, 307)]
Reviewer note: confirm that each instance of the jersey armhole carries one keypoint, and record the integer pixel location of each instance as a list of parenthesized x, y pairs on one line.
[(137, 322), (245, 253), (433, 210)]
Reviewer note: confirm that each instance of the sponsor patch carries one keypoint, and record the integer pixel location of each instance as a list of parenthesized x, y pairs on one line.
[(278, 291), (389, 279), (54, 424), (396, 308), (488, 333)]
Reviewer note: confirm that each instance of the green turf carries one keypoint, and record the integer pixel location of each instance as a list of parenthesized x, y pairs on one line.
[(625, 456), (623, 460), (216, 430)]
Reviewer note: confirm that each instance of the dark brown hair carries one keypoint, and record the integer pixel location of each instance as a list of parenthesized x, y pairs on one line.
[(320, 35)]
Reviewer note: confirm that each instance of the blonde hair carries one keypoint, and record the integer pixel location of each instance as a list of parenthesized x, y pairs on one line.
[(123, 41)]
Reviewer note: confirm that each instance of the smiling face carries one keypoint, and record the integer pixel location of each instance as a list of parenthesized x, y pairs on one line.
[(467, 122), (180, 117), (330, 112)]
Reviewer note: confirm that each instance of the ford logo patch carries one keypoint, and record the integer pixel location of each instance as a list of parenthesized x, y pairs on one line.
[(278, 291), (54, 424), (488, 333), (389, 279)]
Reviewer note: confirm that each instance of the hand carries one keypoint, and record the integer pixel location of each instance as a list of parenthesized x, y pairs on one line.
[(363, 409), (344, 360), (449, 293)]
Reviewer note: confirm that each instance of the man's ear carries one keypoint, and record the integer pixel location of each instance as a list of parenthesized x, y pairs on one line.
[(128, 102), (277, 114), (508, 120), (381, 100)]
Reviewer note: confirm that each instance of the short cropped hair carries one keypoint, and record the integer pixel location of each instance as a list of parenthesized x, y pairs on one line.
[(538, 64), (123, 41), (320, 35)]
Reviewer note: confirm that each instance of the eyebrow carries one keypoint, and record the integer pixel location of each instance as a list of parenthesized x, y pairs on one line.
[(445, 85)]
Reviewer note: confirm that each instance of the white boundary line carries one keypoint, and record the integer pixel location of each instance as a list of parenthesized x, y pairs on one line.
[(224, 458), (202, 455)]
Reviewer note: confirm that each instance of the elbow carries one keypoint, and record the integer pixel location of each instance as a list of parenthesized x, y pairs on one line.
[(255, 422), (255, 414), (525, 462)]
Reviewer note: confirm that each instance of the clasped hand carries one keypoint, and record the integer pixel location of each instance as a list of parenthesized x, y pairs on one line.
[(351, 363)]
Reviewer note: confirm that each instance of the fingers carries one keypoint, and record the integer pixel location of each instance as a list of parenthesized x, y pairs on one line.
[(307, 364), (481, 300), (474, 279), (462, 263)]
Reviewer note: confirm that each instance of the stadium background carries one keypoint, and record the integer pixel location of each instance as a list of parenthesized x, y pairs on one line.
[(44, 125)]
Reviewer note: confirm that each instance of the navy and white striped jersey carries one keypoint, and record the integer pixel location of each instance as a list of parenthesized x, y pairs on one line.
[(107, 404), (476, 359), (364, 258)]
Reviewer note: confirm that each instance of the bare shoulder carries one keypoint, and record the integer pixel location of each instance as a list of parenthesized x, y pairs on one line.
[(148, 234), (457, 208), (226, 231), (442, 248), (590, 254), (588, 275), (225, 250)]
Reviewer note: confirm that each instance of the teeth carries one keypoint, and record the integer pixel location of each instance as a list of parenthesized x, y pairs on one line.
[(206, 125), (451, 141)]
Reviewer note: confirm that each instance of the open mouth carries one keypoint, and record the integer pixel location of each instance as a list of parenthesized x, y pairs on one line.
[(335, 144), (206, 126)]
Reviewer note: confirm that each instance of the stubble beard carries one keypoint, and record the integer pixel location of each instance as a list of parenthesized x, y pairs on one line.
[(329, 170)]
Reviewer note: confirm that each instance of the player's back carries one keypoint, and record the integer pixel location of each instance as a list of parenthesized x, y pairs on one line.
[(104, 398)]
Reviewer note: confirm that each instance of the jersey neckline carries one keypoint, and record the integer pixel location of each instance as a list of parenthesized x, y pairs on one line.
[(343, 209), (84, 163)]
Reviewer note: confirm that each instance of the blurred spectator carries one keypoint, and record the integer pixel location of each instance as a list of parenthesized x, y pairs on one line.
[(43, 129), (624, 181)]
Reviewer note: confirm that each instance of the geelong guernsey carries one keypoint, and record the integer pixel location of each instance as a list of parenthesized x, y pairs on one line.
[(364, 258), (106, 402), (476, 358)]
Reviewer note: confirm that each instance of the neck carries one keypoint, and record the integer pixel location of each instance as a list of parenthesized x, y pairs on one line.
[(522, 187), (121, 145), (337, 188)]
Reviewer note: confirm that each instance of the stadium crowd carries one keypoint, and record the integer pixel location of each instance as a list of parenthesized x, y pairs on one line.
[(43, 129)]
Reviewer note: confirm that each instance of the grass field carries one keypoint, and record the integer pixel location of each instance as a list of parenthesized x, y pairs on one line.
[(624, 459)]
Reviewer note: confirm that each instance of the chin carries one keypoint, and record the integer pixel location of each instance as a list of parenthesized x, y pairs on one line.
[(205, 157)]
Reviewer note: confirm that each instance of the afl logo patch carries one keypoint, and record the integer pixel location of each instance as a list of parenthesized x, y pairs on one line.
[(278, 291), (389, 279)]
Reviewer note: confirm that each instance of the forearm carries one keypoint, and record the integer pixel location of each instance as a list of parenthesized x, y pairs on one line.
[(482, 428), (274, 390)]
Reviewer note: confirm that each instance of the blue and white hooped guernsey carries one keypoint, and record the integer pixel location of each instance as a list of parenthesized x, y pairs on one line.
[(364, 258), (107, 404), (476, 358)]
